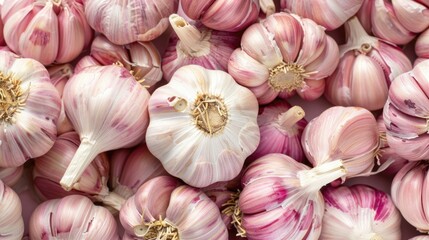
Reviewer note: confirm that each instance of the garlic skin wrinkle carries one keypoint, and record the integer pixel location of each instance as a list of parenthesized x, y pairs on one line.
[(203, 125), (29, 110), (11, 221)]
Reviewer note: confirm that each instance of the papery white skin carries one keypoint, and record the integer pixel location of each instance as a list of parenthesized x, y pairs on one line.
[(409, 193), (11, 221), (108, 109), (72, 217), (44, 30), (348, 134), (10, 176), (124, 22), (201, 46), (328, 13), (185, 150), (367, 67), (280, 39), (281, 197), (359, 212), (33, 130), (223, 15), (188, 209)]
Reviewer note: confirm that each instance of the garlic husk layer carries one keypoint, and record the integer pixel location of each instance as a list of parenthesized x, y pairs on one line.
[(203, 125), (11, 221)]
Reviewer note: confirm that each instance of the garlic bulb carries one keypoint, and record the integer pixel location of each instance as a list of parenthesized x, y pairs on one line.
[(124, 22), (161, 209), (397, 21), (359, 212), (108, 109), (331, 14), (405, 113), (201, 46), (11, 222), (367, 67), (222, 15), (409, 193), (72, 217), (202, 125), (29, 109), (281, 127), (282, 54), (345, 134), (10, 176), (281, 198), (130, 171), (43, 30)]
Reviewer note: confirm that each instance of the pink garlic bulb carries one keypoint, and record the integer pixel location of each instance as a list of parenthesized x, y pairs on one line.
[(405, 113), (223, 15), (130, 171), (281, 198), (331, 14), (345, 134), (367, 67), (281, 127), (49, 168), (202, 125), (124, 22), (162, 209), (108, 109), (44, 30), (409, 193), (11, 221), (359, 212), (11, 175), (72, 217), (29, 110), (284, 54), (201, 46), (397, 21), (2, 42)]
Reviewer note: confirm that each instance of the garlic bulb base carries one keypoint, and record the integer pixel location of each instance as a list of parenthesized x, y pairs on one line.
[(12, 97), (287, 76), (112, 199), (323, 174), (233, 210), (158, 229), (210, 113), (289, 118)]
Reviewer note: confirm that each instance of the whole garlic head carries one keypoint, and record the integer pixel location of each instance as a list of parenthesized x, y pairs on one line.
[(202, 125)]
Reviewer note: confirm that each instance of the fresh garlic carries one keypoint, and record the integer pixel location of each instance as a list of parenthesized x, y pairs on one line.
[(409, 193), (44, 30), (367, 67), (223, 15), (406, 113), (201, 46), (281, 127), (108, 109), (130, 170), (124, 22), (11, 221), (72, 217), (49, 168), (331, 14), (359, 212), (345, 134), (422, 47), (283, 54), (281, 198), (29, 109), (203, 125), (10, 176), (161, 209)]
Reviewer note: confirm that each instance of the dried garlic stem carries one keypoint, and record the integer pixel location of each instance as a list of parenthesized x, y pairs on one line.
[(112, 199), (358, 38), (267, 6), (314, 179), (210, 113), (12, 97), (233, 210), (157, 230), (287, 76), (291, 117), (375, 236)]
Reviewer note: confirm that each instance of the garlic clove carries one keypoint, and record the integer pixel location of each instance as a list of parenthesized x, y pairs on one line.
[(403, 125), (312, 90), (87, 30), (422, 45), (325, 64), (84, 62), (414, 16), (16, 25), (10, 176), (243, 67), (11, 7), (70, 31), (11, 221), (364, 14), (264, 93), (413, 149), (194, 9), (107, 53), (313, 43), (146, 62)]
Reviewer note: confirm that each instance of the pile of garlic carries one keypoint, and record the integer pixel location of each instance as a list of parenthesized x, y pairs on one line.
[(214, 119)]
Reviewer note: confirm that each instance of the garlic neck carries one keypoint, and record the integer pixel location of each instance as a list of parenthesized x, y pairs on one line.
[(286, 77), (192, 42), (289, 118), (210, 113), (314, 179), (12, 98), (357, 38), (233, 210), (157, 229)]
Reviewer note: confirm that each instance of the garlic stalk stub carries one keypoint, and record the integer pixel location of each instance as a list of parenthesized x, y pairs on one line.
[(72, 217), (11, 221), (367, 67), (202, 125), (10, 176), (29, 110), (108, 109), (162, 209), (359, 212), (284, 54), (201, 46)]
